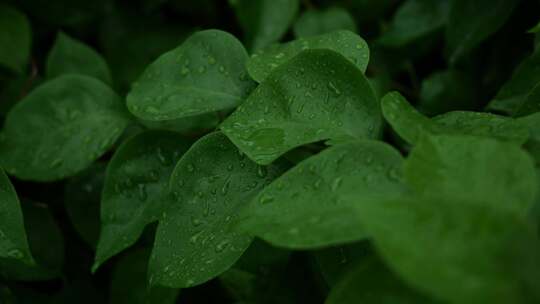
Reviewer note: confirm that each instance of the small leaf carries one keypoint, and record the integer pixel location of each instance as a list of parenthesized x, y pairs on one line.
[(318, 22), (209, 185), (205, 74), (313, 204), (415, 19), (411, 124), (264, 21), (82, 196), (516, 90), (129, 284), (70, 56), (135, 189), (370, 282), (13, 243), (347, 43), (15, 39), (60, 128), (315, 96), (471, 22), (46, 244)]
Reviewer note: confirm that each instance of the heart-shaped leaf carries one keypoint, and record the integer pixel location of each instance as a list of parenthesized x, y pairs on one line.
[(313, 205), (44, 134), (347, 43), (317, 95), (209, 185), (205, 74)]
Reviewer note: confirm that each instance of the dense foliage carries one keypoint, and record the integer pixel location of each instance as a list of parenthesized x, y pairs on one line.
[(270, 151)]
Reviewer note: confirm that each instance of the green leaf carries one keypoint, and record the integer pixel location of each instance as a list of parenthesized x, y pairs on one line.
[(318, 22), (13, 243), (313, 204), (129, 284), (347, 43), (471, 168), (411, 124), (135, 189), (472, 22), (315, 96), (205, 74), (264, 21), (458, 251), (448, 90), (60, 128), (15, 39), (415, 19), (209, 185), (371, 282), (516, 90), (70, 56), (46, 244), (469, 207), (82, 196)]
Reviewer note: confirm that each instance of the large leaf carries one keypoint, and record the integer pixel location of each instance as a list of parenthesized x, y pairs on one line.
[(46, 244), (61, 128), (462, 236), (318, 22), (129, 283), (264, 21), (209, 185), (13, 242), (414, 20), (205, 74), (455, 250), (514, 92), (15, 39), (313, 205), (411, 124), (347, 43), (135, 188), (70, 56), (315, 96), (471, 22), (371, 282)]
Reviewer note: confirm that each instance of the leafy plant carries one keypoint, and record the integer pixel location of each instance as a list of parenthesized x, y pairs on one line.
[(257, 151)]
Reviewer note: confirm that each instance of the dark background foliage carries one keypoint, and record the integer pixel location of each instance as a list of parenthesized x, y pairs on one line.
[(130, 34)]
